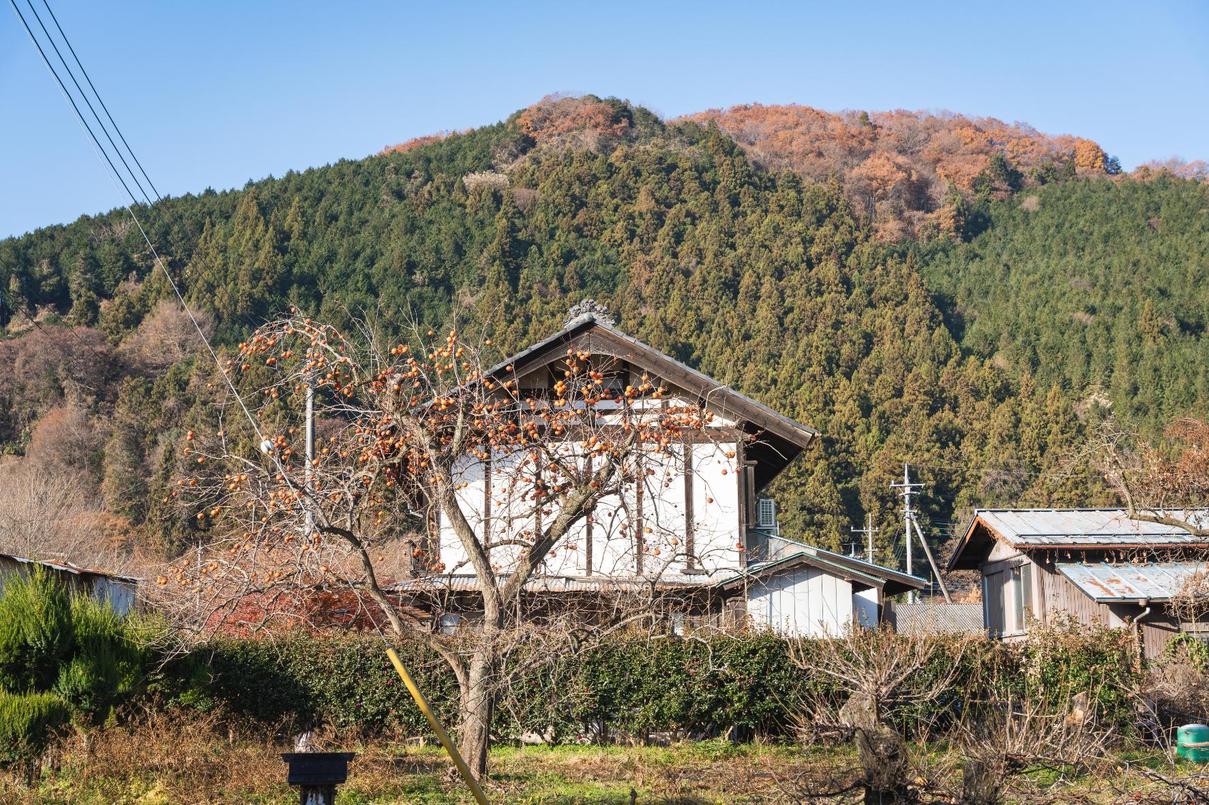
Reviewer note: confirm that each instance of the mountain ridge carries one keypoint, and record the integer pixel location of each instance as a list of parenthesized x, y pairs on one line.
[(763, 277)]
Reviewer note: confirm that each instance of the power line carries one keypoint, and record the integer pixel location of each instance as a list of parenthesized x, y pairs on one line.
[(84, 95), (130, 210), (71, 100), (88, 78)]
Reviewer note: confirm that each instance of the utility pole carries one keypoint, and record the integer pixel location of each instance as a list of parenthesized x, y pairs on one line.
[(908, 489), (309, 513), (911, 524), (868, 531)]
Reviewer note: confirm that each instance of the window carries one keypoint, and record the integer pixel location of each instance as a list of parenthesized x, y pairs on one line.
[(1021, 598), (766, 515)]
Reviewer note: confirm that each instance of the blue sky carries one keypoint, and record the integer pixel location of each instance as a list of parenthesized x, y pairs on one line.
[(212, 94)]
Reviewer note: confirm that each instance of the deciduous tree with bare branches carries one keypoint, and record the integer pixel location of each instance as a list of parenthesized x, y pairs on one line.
[(398, 426), (1167, 484)]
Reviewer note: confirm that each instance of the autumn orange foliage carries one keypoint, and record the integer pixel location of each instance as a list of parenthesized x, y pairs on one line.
[(898, 166), (413, 143), (558, 119)]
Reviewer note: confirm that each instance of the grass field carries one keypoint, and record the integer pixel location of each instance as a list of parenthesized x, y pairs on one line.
[(159, 761)]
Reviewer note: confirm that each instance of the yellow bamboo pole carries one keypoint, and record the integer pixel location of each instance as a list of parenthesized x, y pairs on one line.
[(442, 736)]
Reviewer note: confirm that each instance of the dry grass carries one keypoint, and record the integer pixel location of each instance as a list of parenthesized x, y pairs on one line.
[(170, 757)]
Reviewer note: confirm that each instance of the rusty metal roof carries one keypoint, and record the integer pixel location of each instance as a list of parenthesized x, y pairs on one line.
[(1149, 581), (1041, 527), (1074, 528), (67, 567)]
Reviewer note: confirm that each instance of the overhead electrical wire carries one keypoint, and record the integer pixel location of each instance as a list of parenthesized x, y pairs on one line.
[(87, 101), (417, 695), (101, 101), (126, 187)]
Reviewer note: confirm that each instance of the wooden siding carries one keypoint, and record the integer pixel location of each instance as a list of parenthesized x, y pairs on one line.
[(802, 602)]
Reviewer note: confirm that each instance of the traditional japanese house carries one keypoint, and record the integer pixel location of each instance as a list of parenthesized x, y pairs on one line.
[(697, 535)]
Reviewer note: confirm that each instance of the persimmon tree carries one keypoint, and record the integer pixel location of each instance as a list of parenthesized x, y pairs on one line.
[(398, 425), (1166, 484)]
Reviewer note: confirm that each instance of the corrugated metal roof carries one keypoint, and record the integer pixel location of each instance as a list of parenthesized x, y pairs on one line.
[(68, 567), (1150, 581), (1042, 527)]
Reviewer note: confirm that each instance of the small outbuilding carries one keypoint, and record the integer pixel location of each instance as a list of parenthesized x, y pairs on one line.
[(120, 592), (804, 591), (1091, 566)]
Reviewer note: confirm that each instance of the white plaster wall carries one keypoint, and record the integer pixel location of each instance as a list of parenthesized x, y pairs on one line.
[(715, 515), (716, 506)]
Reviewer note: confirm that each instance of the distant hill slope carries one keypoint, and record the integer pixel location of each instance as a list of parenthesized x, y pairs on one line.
[(1100, 287), (763, 278), (907, 170)]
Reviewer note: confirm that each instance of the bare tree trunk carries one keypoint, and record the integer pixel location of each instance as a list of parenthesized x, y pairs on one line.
[(477, 708)]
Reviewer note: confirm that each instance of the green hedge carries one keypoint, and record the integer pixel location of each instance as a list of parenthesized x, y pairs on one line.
[(677, 685)]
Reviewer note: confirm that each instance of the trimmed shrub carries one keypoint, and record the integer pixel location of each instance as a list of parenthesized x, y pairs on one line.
[(701, 686), (27, 722), (299, 681)]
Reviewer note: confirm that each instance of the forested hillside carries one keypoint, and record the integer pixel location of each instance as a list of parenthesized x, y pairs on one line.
[(909, 173), (1101, 288), (761, 277)]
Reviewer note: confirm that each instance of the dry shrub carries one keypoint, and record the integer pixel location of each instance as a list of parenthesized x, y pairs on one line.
[(1004, 738), (186, 755), (1176, 689), (884, 672)]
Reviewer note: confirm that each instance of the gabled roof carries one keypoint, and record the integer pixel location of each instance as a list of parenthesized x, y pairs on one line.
[(781, 438), (846, 567), (1123, 583), (1071, 528)]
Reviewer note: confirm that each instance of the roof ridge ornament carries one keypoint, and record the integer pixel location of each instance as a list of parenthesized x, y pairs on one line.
[(590, 307)]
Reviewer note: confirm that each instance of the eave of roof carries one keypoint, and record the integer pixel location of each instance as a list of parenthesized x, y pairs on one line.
[(710, 390), (1073, 529), (468, 583), (891, 581)]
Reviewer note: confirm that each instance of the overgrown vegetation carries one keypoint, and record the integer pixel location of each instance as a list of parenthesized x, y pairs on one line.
[(62, 657)]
